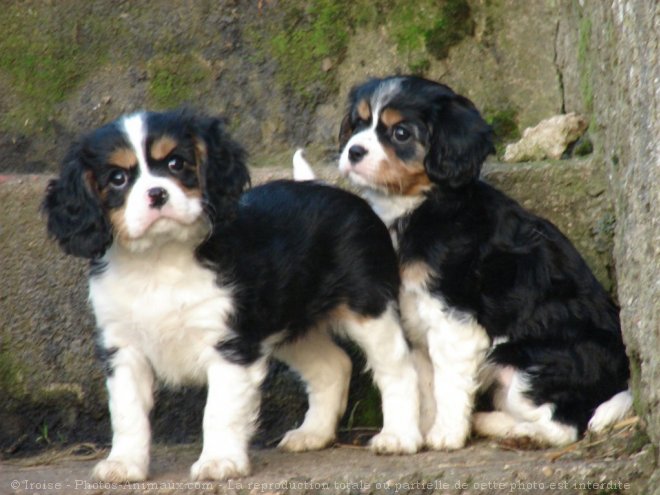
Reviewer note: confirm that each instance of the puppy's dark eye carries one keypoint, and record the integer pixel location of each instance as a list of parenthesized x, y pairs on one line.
[(118, 179), (400, 134), (176, 164)]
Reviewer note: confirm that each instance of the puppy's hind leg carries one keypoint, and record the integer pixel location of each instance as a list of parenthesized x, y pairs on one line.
[(390, 360), (326, 370)]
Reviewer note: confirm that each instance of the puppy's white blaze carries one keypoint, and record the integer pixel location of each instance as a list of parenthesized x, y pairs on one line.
[(611, 411), (302, 171), (135, 131), (139, 215)]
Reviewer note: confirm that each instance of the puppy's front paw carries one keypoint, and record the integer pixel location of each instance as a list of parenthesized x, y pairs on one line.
[(446, 439), (393, 443), (219, 469), (301, 441), (120, 470)]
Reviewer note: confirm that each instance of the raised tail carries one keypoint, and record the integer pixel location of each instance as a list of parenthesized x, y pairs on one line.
[(301, 168)]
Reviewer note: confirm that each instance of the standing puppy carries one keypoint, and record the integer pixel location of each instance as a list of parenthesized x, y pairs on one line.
[(194, 280), (492, 295)]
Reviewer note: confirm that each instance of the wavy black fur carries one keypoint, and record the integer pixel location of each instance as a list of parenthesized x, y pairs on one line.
[(296, 251)]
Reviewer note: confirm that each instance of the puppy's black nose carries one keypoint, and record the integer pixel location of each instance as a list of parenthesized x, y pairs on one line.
[(356, 153), (157, 197)]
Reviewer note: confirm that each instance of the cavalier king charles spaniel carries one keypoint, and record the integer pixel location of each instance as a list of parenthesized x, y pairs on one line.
[(195, 278), (492, 297)]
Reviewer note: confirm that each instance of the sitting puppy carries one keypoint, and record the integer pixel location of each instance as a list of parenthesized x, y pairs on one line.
[(493, 297), (194, 280)]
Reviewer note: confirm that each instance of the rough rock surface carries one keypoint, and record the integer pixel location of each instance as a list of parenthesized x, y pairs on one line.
[(548, 139), (610, 54)]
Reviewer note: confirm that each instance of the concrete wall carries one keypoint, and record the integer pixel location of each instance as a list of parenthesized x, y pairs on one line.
[(612, 67)]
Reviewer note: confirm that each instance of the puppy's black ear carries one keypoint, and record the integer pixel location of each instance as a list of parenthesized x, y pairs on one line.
[(460, 142), (222, 170), (73, 209)]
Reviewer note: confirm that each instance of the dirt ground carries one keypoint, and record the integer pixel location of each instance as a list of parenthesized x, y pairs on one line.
[(614, 463)]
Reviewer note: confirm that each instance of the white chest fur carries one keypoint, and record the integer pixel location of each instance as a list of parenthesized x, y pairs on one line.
[(391, 207), (166, 306)]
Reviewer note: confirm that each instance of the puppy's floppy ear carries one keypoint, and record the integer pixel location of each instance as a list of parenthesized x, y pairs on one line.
[(345, 130), (222, 170), (73, 209), (346, 127), (460, 142)]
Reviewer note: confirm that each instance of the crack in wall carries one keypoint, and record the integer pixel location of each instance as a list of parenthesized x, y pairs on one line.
[(555, 61)]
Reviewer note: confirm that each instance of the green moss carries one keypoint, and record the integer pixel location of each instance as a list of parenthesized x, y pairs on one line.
[(450, 28), (11, 379), (639, 404), (637, 442), (300, 39), (45, 53), (175, 78), (585, 64), (504, 122), (408, 24), (366, 411), (583, 146), (420, 67), (429, 25), (303, 36)]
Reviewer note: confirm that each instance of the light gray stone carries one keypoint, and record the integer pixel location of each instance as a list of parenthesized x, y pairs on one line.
[(548, 139)]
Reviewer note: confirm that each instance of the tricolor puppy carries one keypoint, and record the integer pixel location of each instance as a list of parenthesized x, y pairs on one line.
[(492, 296), (194, 280)]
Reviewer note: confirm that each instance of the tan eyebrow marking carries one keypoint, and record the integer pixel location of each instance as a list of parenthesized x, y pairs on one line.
[(162, 147), (123, 158), (391, 117), (363, 110)]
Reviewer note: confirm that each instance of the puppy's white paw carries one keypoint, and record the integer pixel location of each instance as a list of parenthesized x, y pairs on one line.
[(300, 440), (219, 469), (392, 443), (120, 470), (445, 439)]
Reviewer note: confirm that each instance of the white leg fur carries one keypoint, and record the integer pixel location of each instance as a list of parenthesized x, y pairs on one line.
[(130, 390), (518, 417), (231, 412), (390, 361), (499, 424), (427, 405), (611, 411), (457, 347), (326, 370), (496, 424)]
